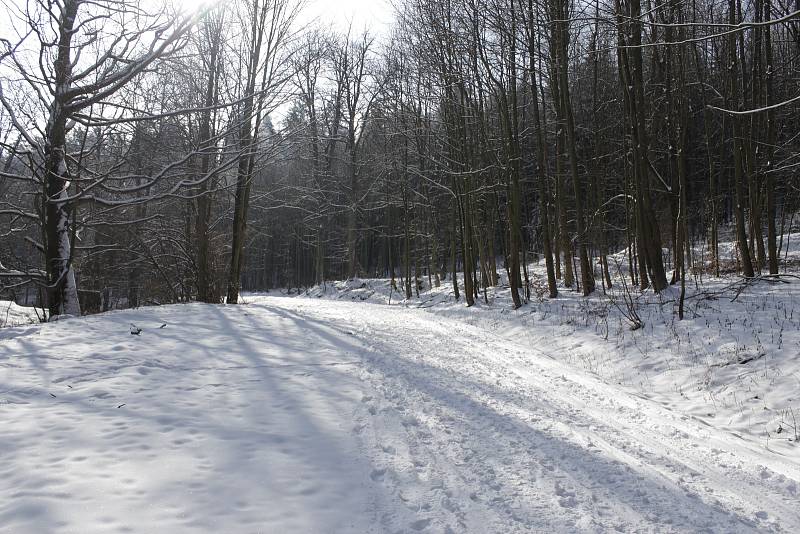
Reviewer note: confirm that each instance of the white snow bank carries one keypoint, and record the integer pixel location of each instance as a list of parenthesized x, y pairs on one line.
[(297, 415), (12, 314), (734, 362), (210, 424)]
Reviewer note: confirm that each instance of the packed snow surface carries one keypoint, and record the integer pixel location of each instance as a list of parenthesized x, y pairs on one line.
[(732, 363), (314, 415), (12, 314)]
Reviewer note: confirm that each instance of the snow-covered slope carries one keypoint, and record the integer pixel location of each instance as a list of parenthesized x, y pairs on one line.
[(733, 362), (12, 314), (299, 415)]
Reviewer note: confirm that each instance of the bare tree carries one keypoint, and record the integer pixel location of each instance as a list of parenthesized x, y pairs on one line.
[(73, 56), (266, 71)]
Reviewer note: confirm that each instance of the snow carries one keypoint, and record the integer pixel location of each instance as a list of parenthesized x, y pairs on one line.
[(732, 363), (321, 415), (12, 314)]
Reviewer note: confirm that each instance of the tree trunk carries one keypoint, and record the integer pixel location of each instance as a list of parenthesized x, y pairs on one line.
[(63, 291), (738, 168)]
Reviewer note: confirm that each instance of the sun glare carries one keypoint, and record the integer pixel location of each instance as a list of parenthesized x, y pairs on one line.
[(190, 5)]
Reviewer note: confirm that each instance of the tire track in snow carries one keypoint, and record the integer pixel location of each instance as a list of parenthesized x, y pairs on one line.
[(628, 436), (521, 438), (524, 477)]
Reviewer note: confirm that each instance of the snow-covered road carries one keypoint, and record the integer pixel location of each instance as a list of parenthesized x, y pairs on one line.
[(297, 415)]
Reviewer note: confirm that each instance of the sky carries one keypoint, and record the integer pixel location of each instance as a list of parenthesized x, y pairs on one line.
[(373, 14)]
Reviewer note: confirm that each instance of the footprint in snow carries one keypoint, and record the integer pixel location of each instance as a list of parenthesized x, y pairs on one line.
[(566, 498), (420, 524), (410, 421)]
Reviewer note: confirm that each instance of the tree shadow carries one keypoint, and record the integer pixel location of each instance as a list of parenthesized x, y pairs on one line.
[(625, 486), (234, 424)]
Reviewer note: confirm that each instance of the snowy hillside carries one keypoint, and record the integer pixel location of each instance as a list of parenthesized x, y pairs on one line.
[(733, 363), (12, 314), (300, 415)]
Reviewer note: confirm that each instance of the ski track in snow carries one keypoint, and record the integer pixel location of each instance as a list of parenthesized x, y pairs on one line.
[(295, 415)]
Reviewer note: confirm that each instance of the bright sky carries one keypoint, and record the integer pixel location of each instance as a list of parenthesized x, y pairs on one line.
[(373, 14)]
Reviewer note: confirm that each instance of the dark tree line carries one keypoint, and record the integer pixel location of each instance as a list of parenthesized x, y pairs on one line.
[(161, 157)]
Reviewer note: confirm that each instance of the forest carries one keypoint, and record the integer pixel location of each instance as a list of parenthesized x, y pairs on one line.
[(155, 155), (365, 266)]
